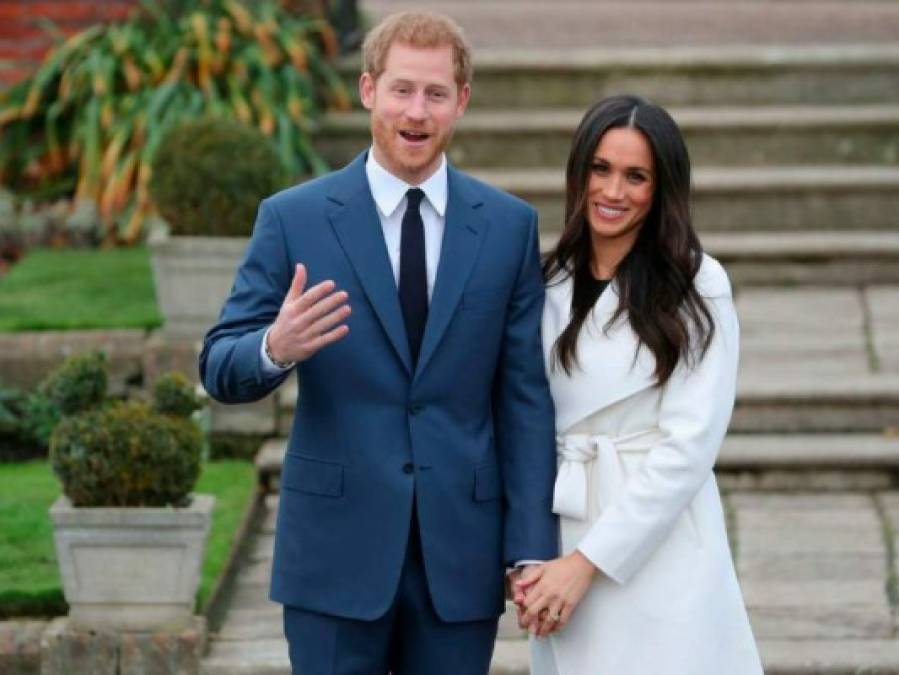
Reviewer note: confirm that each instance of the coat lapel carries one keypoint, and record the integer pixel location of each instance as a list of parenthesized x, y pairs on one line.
[(607, 371), (354, 218), (462, 237)]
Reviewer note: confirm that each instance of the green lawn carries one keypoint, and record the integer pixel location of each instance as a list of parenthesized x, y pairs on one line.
[(79, 288), (29, 577)]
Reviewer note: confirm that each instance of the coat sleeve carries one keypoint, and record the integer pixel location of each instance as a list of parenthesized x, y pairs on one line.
[(695, 409), (231, 361), (524, 419)]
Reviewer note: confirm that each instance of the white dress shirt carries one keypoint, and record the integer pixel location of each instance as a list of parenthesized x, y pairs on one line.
[(389, 193)]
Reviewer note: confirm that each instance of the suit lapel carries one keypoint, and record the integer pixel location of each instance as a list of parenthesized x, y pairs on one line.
[(462, 237), (356, 224)]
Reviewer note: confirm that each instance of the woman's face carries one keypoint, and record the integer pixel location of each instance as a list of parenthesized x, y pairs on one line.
[(620, 187)]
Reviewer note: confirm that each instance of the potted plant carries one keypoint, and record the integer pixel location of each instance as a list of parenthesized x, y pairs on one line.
[(129, 534), (209, 176)]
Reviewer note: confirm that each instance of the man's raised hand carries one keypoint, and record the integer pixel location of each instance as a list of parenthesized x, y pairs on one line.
[(308, 319)]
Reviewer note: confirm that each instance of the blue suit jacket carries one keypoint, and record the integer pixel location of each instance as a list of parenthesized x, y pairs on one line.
[(469, 433)]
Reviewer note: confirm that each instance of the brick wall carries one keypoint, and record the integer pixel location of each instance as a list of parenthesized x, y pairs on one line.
[(23, 42)]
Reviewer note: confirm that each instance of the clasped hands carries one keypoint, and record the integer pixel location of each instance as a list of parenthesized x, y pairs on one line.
[(546, 594)]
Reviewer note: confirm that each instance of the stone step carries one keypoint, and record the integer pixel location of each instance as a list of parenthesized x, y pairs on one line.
[(851, 258), (728, 199), (524, 78), (572, 23), (796, 402), (837, 451), (716, 136)]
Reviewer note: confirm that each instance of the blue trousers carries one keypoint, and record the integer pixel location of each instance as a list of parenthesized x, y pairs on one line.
[(410, 639)]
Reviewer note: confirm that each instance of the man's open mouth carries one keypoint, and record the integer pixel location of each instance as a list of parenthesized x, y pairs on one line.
[(415, 136)]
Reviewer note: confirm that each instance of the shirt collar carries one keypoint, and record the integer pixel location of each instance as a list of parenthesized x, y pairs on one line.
[(388, 190)]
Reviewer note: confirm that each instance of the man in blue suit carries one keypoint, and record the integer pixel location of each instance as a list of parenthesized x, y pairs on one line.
[(407, 296)]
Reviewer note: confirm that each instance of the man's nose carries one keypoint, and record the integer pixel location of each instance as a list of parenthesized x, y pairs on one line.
[(418, 107)]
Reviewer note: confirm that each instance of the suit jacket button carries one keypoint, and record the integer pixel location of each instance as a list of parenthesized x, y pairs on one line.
[(415, 408), (408, 468)]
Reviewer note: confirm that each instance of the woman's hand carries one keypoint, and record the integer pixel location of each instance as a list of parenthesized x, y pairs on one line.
[(556, 587)]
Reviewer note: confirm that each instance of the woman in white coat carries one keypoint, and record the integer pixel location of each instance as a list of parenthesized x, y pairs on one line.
[(641, 342)]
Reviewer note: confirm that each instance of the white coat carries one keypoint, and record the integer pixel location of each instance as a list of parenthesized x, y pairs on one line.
[(637, 496)]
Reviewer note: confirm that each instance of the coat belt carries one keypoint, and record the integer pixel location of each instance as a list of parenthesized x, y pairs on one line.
[(577, 453)]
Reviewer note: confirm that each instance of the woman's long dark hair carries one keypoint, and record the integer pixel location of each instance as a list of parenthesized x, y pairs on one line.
[(655, 279)]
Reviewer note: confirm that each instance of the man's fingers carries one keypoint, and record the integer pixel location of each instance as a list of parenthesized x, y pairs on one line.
[(324, 306), (298, 282), (517, 595), (312, 295), (327, 322), (325, 339), (529, 577)]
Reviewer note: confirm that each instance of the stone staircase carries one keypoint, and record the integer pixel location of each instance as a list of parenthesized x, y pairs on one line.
[(796, 157)]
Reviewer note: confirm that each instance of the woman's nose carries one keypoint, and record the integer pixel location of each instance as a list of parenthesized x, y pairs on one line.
[(612, 187)]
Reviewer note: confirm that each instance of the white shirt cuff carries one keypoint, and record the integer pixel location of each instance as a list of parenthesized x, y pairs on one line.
[(268, 366)]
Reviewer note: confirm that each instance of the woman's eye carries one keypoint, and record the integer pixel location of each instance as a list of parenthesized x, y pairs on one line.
[(637, 177), (600, 168)]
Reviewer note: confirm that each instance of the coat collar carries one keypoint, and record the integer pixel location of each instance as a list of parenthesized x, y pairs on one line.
[(355, 221), (607, 370)]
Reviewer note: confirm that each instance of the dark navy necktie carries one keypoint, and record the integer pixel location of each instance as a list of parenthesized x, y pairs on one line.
[(413, 274)]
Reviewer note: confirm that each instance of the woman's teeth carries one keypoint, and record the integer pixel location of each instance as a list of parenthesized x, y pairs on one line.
[(609, 212)]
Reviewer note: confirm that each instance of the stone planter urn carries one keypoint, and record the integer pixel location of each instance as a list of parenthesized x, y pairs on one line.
[(193, 276), (131, 569)]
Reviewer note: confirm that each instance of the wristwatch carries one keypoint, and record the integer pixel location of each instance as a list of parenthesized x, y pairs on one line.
[(283, 365)]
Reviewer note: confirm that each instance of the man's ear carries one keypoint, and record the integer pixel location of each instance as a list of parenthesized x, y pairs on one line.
[(464, 96), (367, 90)]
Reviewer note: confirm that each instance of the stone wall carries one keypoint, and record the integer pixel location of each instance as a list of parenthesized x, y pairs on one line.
[(24, 42)]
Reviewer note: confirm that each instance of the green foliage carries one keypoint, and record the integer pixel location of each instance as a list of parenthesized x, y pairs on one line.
[(29, 574), (122, 453), (79, 288), (78, 384), (173, 394), (26, 421), (93, 113), (11, 402), (39, 417), (201, 187), (126, 454)]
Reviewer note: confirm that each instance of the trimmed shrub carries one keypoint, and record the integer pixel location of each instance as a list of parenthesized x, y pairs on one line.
[(78, 384), (126, 455), (121, 453), (173, 394), (209, 176)]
